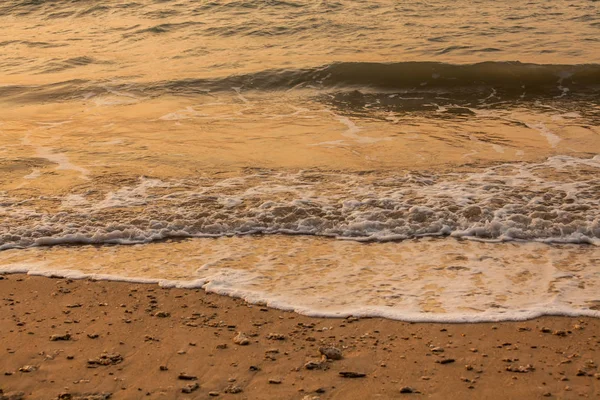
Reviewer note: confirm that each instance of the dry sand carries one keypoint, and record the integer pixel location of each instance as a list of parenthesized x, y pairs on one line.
[(56, 335)]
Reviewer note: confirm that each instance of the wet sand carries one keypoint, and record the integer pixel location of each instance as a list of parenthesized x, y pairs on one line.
[(127, 341)]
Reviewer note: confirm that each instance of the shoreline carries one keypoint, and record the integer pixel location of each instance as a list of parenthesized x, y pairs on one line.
[(199, 285), (159, 342)]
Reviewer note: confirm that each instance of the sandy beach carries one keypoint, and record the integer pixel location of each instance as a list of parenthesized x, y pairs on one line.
[(82, 339)]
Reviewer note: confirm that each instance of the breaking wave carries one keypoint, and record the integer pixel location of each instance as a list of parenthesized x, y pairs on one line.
[(553, 201), (508, 79)]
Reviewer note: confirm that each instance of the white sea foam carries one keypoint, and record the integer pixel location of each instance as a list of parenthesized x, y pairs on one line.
[(61, 159), (553, 201), (550, 136)]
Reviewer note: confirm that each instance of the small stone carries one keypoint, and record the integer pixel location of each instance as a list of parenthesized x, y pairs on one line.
[(162, 314), (233, 389), (331, 353), (560, 333), (437, 349), (55, 338), (276, 336), (105, 359), (351, 374), (190, 388), (222, 346), (254, 368), (241, 339), (445, 361), (545, 330), (185, 377), (12, 395), (547, 394), (407, 389), (213, 394), (274, 381), (89, 396), (520, 369), (314, 364), (93, 335), (27, 368), (163, 368)]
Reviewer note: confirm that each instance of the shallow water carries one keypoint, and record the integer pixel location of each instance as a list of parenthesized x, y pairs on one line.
[(435, 128), (440, 280)]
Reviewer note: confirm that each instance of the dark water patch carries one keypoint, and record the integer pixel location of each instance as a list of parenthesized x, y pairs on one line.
[(43, 45), (160, 14), (438, 39), (43, 93), (7, 42), (454, 106), (9, 165), (585, 18), (162, 28), (129, 5), (451, 49), (124, 28), (48, 9), (281, 3), (95, 11), (228, 31), (58, 66), (62, 14)]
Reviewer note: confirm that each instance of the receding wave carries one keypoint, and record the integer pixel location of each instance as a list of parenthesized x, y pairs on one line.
[(554, 201), (426, 280)]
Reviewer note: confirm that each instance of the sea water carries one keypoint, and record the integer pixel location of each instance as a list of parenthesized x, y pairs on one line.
[(422, 161)]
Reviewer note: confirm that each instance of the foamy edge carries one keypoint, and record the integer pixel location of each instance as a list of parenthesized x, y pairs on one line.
[(258, 298)]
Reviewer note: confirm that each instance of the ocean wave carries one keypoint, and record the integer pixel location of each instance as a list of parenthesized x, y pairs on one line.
[(508, 79), (554, 201), (428, 280)]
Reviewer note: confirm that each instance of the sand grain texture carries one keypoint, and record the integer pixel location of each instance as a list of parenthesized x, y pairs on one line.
[(134, 341)]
